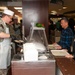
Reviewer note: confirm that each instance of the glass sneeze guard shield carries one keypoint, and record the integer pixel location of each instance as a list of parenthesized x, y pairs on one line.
[(38, 37)]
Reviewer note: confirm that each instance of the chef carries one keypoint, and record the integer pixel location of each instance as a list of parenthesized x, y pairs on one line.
[(5, 49)]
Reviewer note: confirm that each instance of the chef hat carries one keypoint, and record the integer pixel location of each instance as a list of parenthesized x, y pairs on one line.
[(8, 12)]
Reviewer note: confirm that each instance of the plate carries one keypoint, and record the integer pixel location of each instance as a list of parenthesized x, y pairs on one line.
[(16, 41), (51, 47), (43, 57), (19, 41)]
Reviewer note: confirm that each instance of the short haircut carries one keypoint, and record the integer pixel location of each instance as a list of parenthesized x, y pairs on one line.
[(64, 18), (3, 15)]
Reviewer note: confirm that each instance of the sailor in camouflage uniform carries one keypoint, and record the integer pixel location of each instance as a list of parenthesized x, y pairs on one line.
[(5, 49)]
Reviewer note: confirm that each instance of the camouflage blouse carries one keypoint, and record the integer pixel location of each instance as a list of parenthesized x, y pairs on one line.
[(2, 28)]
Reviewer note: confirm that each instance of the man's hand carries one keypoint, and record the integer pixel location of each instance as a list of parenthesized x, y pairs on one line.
[(57, 46), (69, 56)]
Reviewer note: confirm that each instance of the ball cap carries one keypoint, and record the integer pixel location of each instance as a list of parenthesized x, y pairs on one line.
[(8, 12)]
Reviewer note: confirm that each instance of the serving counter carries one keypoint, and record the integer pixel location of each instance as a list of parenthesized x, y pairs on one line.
[(52, 66), (40, 67), (66, 66)]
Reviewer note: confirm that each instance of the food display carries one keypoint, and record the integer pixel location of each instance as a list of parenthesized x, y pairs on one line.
[(39, 25)]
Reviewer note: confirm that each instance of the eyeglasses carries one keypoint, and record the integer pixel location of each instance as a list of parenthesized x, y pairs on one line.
[(10, 17)]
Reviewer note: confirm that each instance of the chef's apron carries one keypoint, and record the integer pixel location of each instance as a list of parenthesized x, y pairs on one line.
[(5, 52)]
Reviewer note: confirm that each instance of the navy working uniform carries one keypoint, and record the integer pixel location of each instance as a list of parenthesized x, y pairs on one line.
[(5, 48)]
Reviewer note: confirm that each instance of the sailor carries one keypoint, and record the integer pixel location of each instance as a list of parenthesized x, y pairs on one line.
[(5, 49)]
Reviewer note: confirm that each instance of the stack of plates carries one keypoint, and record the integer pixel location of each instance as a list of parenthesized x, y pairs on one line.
[(19, 41)]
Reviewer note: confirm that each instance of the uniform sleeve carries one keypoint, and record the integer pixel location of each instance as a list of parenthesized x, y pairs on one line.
[(1, 30)]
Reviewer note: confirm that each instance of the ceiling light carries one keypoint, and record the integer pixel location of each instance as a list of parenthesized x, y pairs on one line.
[(3, 8), (64, 7), (53, 12), (17, 8)]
